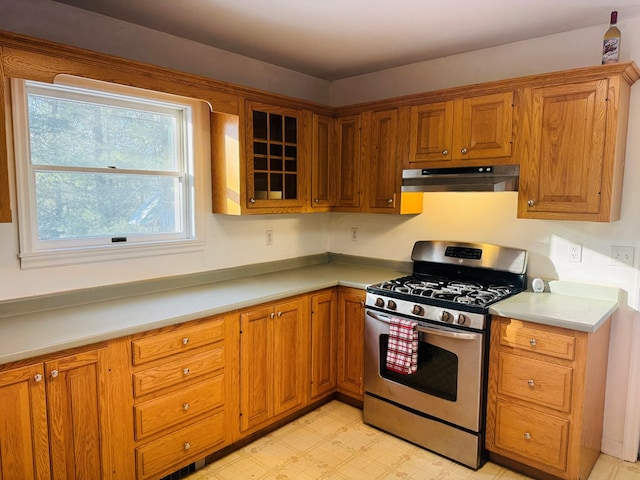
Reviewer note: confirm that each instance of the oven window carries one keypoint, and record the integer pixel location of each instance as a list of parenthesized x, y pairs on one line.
[(437, 372)]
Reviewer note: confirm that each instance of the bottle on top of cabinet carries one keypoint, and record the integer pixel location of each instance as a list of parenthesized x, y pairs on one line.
[(611, 43)]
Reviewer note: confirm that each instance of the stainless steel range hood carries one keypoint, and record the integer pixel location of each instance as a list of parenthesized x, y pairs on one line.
[(498, 178)]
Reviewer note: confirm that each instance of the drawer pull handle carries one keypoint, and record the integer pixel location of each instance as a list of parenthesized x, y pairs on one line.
[(533, 342), (37, 377), (185, 406), (185, 341), (185, 371), (531, 383), (527, 436), (187, 445)]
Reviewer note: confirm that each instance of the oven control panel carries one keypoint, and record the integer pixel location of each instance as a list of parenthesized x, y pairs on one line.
[(420, 311)]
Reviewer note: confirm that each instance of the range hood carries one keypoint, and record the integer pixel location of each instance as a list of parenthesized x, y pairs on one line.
[(498, 178)]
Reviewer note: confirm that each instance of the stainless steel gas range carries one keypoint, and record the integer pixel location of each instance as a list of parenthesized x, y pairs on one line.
[(439, 402)]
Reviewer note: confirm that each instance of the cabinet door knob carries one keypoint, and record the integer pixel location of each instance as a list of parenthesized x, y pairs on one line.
[(463, 151), (37, 377), (185, 406), (252, 200), (279, 314), (445, 152), (271, 315), (54, 373), (317, 200), (531, 383), (533, 342), (530, 203), (185, 341), (527, 436), (187, 445), (389, 201), (185, 371)]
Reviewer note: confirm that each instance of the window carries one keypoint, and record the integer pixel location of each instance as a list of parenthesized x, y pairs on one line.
[(103, 169)]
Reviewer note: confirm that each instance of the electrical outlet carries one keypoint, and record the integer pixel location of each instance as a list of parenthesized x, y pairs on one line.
[(574, 253), (354, 234), (268, 237), (621, 256)]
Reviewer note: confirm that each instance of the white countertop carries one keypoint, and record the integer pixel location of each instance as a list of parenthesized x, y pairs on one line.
[(28, 335), (581, 307)]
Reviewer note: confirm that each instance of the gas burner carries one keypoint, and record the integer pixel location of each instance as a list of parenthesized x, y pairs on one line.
[(450, 290)]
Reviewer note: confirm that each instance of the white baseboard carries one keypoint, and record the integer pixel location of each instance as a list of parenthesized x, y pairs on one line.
[(612, 447)]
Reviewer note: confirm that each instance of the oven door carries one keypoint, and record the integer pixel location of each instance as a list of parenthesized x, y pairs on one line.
[(450, 375)]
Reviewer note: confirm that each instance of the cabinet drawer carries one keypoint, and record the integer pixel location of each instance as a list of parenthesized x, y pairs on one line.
[(182, 339), (515, 334), (533, 435), (170, 452), (535, 381), (173, 408), (176, 371)]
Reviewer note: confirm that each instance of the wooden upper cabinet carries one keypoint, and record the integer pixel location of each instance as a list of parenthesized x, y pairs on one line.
[(321, 153), (486, 126), (431, 133), (347, 165), (575, 161), (385, 141), (383, 171), (464, 131), (275, 159)]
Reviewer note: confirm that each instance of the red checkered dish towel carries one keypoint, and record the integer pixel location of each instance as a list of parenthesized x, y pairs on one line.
[(402, 348)]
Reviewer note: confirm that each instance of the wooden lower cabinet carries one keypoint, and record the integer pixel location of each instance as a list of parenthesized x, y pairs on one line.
[(54, 418), (351, 342), (324, 330), (546, 397), (274, 353), (79, 432), (147, 405), (181, 380), (24, 444)]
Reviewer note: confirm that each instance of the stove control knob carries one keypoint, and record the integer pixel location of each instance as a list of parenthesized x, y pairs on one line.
[(462, 320), (379, 302), (446, 317), (391, 305), (418, 310)]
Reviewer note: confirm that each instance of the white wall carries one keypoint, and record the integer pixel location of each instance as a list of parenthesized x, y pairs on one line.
[(460, 216), (229, 241), (73, 26)]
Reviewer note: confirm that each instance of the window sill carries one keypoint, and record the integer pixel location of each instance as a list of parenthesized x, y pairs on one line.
[(75, 256)]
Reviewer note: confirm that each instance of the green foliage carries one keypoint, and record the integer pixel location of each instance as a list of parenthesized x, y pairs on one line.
[(99, 141)]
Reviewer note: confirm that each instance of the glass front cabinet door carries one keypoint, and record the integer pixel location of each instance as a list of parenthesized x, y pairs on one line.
[(275, 158)]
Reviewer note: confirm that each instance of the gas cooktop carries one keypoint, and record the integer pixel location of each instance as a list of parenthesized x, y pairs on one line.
[(464, 292)]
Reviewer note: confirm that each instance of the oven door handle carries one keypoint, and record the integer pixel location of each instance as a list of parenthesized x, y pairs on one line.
[(430, 330)]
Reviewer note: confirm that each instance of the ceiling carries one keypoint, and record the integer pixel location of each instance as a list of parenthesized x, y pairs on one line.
[(334, 39)]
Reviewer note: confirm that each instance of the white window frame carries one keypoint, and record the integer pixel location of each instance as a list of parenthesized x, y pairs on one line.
[(35, 253)]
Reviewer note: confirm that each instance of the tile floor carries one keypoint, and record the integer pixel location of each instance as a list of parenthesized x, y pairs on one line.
[(331, 442)]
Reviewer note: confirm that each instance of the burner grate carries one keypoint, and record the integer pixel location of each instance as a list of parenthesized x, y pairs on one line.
[(451, 290)]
